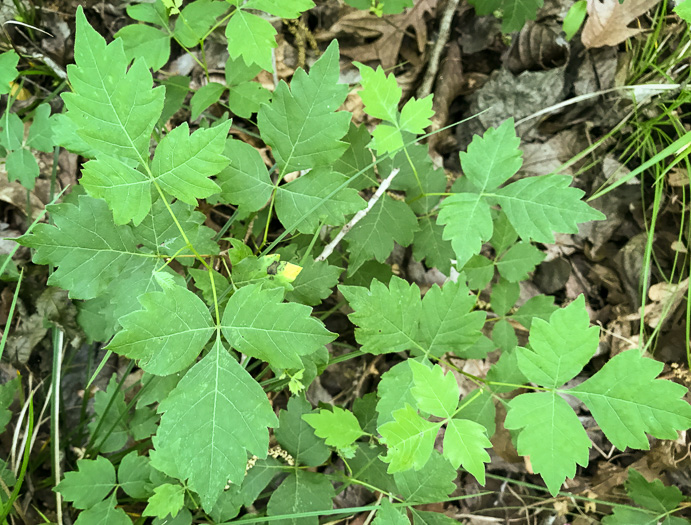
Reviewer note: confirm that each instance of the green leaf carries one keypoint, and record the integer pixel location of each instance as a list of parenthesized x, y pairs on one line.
[(21, 165), (301, 492), (314, 283), (386, 318), (504, 235), (518, 12), (365, 410), (251, 38), (113, 108), (281, 8), (301, 125), (104, 513), (424, 517), (576, 16), (8, 70), (539, 206), (493, 158), (245, 182), (538, 307), (143, 424), (340, 428), (89, 484), (551, 435), (357, 158), (154, 13), (409, 440), (368, 467), (447, 323), (429, 244), (295, 199), (195, 21), (465, 442), (433, 483), (504, 296), (389, 515), (652, 495), (204, 97), (134, 476), (41, 131), (373, 237), (416, 115), (560, 348), (633, 516), (627, 401), (169, 332), (435, 392), (417, 176), (683, 11), (246, 98), (504, 336), (519, 261), (7, 393), (149, 43), (297, 437), (183, 163), (259, 477), (479, 408), (167, 499), (380, 93), (467, 224), (215, 415), (12, 136), (395, 391), (386, 139), (257, 323), (112, 416)]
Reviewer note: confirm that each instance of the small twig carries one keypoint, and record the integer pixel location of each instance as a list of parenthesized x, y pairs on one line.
[(329, 248), (444, 32)]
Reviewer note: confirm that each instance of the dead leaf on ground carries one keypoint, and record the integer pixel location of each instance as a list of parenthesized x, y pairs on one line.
[(608, 21), (389, 29)]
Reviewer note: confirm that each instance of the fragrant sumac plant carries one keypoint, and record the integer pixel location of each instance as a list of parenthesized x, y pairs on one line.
[(220, 322)]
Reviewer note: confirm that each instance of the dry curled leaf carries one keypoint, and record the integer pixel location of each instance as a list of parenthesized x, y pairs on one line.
[(608, 21)]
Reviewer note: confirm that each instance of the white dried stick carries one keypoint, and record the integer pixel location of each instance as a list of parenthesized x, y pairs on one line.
[(329, 248)]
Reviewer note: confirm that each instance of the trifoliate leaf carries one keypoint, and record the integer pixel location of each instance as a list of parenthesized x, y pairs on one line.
[(215, 415), (169, 332), (167, 499), (280, 8), (373, 237), (340, 428), (134, 476), (416, 115), (395, 391), (251, 38), (551, 435), (245, 182), (104, 513), (297, 437), (386, 318), (652, 495), (196, 20), (493, 158), (539, 206), (435, 392), (390, 515), (409, 439), (380, 93), (504, 296), (204, 97), (560, 348), (8, 70), (295, 200), (183, 163), (446, 322), (301, 125), (150, 43), (112, 418), (627, 401), (300, 492), (432, 483), (430, 245), (465, 442), (519, 261), (89, 484), (314, 283), (468, 224), (114, 108), (257, 323)]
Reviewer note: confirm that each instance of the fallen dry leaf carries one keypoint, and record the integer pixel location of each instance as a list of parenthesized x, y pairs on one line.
[(608, 21)]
